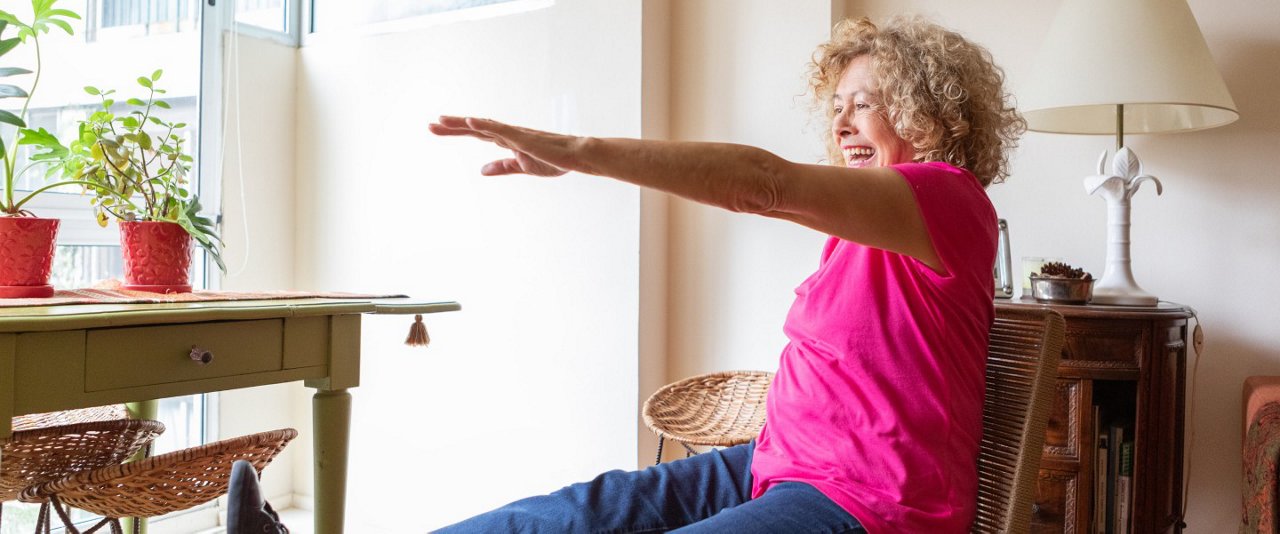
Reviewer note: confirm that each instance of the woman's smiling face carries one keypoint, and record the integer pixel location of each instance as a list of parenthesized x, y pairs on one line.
[(860, 126)]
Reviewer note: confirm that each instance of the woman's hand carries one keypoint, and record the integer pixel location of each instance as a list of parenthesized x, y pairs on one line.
[(535, 152)]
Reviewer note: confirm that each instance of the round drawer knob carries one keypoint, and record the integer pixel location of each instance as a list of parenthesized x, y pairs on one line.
[(200, 355)]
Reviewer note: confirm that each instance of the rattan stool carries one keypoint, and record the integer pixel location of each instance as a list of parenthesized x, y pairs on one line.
[(717, 409), (40, 455), (160, 484)]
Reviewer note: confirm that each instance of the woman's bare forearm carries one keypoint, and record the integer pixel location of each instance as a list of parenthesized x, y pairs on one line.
[(735, 177)]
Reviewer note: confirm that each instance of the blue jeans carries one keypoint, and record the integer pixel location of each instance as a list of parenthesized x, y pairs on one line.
[(708, 493)]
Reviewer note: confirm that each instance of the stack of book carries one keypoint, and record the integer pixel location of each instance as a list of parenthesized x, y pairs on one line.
[(1113, 478)]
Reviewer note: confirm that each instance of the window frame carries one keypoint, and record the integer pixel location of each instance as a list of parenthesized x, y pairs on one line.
[(415, 22), (79, 227)]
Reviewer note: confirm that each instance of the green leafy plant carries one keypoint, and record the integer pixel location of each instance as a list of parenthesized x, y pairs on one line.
[(134, 165), (44, 17)]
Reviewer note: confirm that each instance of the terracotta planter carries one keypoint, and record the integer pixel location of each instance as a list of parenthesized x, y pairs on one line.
[(157, 257), (26, 256)]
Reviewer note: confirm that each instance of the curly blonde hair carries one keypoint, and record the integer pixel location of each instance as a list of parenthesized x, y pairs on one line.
[(941, 92)]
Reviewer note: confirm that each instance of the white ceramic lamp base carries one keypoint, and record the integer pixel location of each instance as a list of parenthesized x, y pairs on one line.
[(1117, 286)]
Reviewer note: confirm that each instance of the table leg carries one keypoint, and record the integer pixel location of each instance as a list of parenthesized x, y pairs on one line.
[(331, 422), (140, 410)]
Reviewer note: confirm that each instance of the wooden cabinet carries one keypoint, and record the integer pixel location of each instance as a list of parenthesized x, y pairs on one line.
[(1130, 362)]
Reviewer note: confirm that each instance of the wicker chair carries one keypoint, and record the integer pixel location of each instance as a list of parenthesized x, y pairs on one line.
[(715, 409), (77, 442), (723, 409), (160, 484), (1022, 372), (70, 417)]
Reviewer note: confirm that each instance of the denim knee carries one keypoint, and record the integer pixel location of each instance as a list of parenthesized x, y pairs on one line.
[(533, 515)]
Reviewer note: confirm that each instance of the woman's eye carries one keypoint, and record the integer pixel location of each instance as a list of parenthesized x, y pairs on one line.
[(839, 110), (861, 106)]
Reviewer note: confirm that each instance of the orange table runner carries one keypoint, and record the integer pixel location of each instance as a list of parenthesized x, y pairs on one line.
[(110, 292)]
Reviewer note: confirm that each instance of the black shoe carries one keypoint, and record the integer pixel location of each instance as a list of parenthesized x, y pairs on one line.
[(247, 511)]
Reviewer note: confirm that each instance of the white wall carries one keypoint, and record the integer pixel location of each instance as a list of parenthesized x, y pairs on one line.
[(739, 76), (258, 159), (534, 383), (655, 208)]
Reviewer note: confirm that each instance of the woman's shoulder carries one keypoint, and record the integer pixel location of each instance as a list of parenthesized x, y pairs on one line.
[(935, 170)]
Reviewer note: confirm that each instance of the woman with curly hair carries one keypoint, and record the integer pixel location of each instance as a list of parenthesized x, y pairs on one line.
[(874, 415)]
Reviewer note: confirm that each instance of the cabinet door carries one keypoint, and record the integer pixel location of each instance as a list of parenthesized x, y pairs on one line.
[(1157, 467), (1055, 510), (1064, 433)]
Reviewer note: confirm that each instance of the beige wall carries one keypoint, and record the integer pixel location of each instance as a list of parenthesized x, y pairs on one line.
[(258, 158), (738, 75)]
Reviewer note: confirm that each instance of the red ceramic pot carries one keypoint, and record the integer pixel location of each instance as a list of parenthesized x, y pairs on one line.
[(26, 256), (157, 256)]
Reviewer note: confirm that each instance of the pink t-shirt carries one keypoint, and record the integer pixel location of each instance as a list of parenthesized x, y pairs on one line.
[(877, 401)]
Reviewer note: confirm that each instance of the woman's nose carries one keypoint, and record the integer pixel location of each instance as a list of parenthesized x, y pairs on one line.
[(841, 125)]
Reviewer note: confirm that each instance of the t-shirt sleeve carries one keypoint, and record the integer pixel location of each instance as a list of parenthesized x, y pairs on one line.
[(958, 216)]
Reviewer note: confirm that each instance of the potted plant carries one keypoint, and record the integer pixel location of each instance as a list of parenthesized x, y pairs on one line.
[(139, 176), (26, 242)]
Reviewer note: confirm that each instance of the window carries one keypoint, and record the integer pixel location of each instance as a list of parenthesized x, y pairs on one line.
[(376, 16), (266, 14), (114, 43), (113, 19)]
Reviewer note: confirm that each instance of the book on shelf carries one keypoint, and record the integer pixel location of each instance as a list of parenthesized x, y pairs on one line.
[(1124, 489), (1115, 437), (1099, 473)]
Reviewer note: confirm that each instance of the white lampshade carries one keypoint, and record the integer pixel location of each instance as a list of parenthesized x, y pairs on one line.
[(1147, 55)]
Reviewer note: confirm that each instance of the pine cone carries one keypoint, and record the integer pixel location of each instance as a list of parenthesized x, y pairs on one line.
[(1056, 269)]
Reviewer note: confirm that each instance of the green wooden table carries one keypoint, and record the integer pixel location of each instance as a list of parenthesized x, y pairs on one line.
[(76, 356)]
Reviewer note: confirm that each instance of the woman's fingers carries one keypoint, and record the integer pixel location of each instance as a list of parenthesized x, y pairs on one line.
[(441, 129), (524, 143), (501, 167)]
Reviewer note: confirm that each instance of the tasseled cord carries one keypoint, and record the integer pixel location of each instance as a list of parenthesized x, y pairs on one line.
[(417, 333)]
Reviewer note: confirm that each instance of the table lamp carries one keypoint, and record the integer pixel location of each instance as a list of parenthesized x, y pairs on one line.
[(1110, 67)]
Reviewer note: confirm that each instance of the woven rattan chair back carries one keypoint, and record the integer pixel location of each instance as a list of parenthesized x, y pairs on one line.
[(161, 484), (716, 409), (40, 455), (1022, 369)]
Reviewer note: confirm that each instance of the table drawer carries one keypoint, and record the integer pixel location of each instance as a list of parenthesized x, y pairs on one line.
[(1116, 343), (118, 358)]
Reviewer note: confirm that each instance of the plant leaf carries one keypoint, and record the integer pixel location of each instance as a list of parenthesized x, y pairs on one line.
[(62, 24), (155, 76), (12, 71), (8, 44), (10, 91), (63, 13), (92, 90), (144, 81), (10, 118), (162, 104), (136, 101)]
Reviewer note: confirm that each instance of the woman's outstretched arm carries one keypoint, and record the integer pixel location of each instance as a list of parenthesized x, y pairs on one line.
[(873, 206)]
